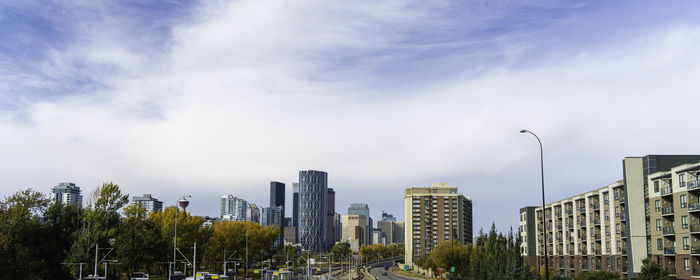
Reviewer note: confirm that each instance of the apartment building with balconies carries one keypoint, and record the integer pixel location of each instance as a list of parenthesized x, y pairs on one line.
[(615, 227), (434, 215), (674, 214)]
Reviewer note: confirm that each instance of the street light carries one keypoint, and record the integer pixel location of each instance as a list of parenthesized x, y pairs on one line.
[(182, 202), (544, 221)]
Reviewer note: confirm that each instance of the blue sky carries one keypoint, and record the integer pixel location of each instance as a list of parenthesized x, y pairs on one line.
[(221, 97)]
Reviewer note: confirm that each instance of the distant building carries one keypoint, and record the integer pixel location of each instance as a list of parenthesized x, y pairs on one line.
[(426, 207), (337, 227), (330, 219), (277, 196), (66, 193), (253, 213), (378, 237), (290, 235), (388, 217), (392, 229), (288, 221), (295, 209), (148, 202), (362, 209), (272, 216), (313, 191), (209, 221), (354, 229), (233, 208)]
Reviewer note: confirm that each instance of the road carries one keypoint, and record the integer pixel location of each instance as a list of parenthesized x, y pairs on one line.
[(378, 269)]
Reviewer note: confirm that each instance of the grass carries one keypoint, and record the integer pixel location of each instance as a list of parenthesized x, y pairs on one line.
[(408, 273)]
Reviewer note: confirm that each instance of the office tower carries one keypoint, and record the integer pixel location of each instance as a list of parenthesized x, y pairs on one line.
[(295, 210), (277, 199), (66, 193), (253, 213), (399, 233), (387, 227), (330, 219), (148, 202), (272, 216), (388, 217), (277, 196), (313, 191), (288, 221), (433, 215), (290, 235), (378, 237), (528, 234), (354, 230), (337, 227), (233, 208), (615, 227), (362, 209)]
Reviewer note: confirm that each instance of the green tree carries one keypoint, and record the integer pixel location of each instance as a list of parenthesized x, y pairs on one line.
[(138, 240), (597, 275), (340, 251), (189, 231), (98, 224), (653, 271)]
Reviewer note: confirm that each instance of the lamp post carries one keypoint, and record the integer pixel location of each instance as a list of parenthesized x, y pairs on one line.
[(182, 202), (544, 221)]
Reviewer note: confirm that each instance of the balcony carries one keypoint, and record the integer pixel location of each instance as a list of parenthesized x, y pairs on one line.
[(623, 217), (570, 212), (694, 206), (582, 223), (695, 228), (666, 191), (667, 211), (622, 199), (695, 250), (669, 231), (595, 206), (595, 221), (597, 252), (669, 250), (696, 272), (582, 209), (693, 185), (623, 234), (595, 236), (623, 251)]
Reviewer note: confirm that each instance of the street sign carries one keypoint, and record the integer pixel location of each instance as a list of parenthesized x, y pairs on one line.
[(406, 267), (452, 269)]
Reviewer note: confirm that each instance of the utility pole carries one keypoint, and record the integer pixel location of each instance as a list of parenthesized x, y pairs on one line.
[(96, 250), (194, 266)]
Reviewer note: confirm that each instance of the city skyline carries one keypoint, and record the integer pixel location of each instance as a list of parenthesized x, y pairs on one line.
[(171, 98)]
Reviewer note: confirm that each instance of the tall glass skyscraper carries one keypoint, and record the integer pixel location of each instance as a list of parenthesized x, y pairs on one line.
[(313, 192), (295, 210)]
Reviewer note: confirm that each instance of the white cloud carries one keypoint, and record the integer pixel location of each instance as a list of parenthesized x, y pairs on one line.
[(243, 96)]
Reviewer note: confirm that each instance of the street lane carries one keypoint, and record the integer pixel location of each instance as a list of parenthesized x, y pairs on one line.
[(377, 273)]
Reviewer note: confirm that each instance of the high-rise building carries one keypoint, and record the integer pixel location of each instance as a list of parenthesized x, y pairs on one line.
[(233, 208), (277, 196), (272, 216), (288, 221), (295, 210), (66, 193), (290, 235), (330, 219), (388, 217), (313, 192), (615, 227), (354, 230), (378, 237), (277, 199), (337, 227), (362, 209), (399, 232), (148, 202), (253, 213), (433, 215), (388, 227)]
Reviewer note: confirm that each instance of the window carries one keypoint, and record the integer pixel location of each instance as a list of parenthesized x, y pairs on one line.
[(617, 211), (619, 246), (660, 244), (686, 243), (656, 186), (607, 230), (658, 224), (617, 195), (605, 198), (681, 180), (684, 222), (684, 201), (657, 205), (607, 215), (617, 228), (686, 264)]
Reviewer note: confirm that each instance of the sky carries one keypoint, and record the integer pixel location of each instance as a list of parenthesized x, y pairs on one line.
[(210, 98)]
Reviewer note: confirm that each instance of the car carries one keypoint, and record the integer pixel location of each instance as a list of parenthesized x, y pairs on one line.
[(384, 273)]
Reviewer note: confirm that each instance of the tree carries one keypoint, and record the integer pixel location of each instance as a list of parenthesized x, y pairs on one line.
[(138, 241), (189, 231), (653, 271), (340, 251), (231, 236), (597, 275)]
